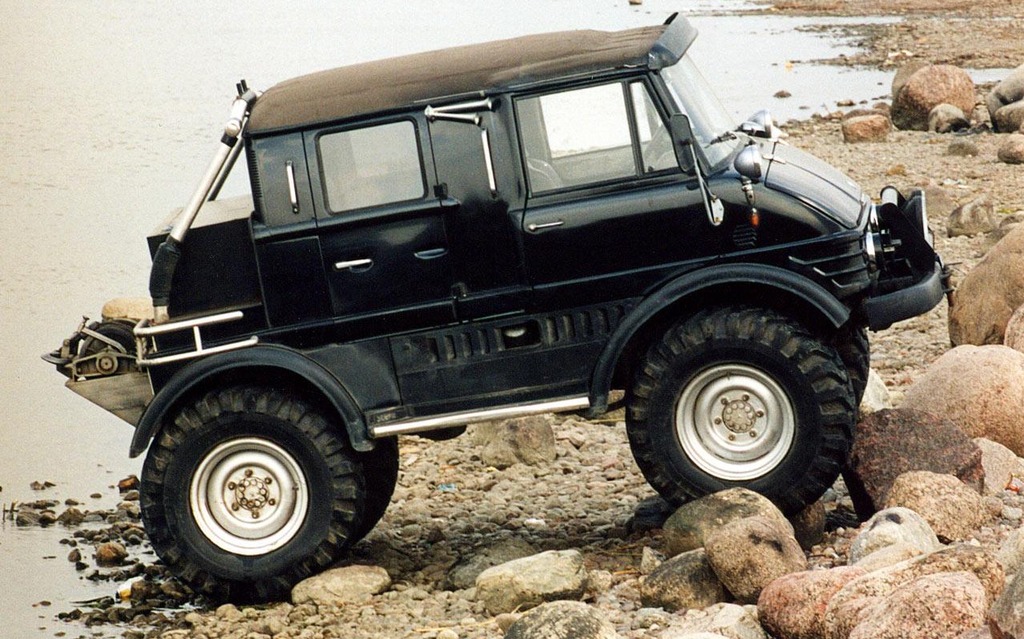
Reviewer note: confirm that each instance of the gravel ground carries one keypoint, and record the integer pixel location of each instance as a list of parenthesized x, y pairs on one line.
[(448, 503)]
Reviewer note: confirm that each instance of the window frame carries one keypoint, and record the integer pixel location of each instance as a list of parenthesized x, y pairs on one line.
[(625, 85), (325, 195)]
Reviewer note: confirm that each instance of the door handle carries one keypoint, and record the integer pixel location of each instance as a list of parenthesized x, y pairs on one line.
[(430, 254), (350, 264), (545, 225)]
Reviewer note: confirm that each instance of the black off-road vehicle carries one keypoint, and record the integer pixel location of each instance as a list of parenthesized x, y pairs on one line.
[(489, 231)]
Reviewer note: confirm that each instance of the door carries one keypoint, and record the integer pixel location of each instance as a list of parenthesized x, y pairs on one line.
[(608, 205), (382, 232)]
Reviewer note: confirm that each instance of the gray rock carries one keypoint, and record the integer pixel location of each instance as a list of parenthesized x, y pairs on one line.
[(464, 573), (809, 525), (748, 554), (689, 526), (1009, 90), (888, 556), (1011, 552), (338, 586), (1000, 464), (650, 559), (1011, 151), (973, 218), (946, 118), (684, 581), (953, 510), (530, 581), (956, 603), (724, 620), (890, 527), (562, 620), (1009, 118), (111, 553), (527, 440), (1006, 617)]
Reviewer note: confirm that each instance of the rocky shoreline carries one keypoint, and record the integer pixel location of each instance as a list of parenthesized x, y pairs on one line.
[(580, 508)]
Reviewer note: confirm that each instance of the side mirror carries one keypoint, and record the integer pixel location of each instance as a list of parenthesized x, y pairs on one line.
[(682, 142), (760, 125), (748, 162)]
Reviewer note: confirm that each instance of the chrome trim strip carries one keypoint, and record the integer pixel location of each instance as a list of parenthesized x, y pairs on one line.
[(492, 182), (293, 196), (545, 225), (465, 417)]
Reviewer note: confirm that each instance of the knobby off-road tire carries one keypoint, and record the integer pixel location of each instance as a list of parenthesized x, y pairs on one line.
[(741, 397), (854, 348), (380, 470), (250, 490)]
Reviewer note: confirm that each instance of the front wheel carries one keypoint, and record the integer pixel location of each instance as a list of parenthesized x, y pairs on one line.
[(250, 490), (741, 397)]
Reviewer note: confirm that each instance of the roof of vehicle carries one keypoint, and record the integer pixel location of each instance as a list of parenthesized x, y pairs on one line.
[(382, 85)]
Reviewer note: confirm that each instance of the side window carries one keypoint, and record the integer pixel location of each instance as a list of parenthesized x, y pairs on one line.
[(656, 146), (591, 135), (371, 166)]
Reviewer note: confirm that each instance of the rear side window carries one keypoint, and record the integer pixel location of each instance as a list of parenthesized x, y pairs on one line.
[(371, 166)]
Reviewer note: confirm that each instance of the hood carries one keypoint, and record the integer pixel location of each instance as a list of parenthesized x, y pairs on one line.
[(805, 177)]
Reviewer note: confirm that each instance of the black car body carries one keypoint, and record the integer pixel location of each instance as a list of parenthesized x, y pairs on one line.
[(494, 230)]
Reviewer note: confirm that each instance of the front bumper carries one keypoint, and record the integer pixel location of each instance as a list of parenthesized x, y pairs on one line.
[(884, 310)]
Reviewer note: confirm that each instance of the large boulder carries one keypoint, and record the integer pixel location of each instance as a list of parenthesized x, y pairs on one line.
[(531, 581), (690, 525), (1013, 336), (1011, 552), (1006, 617), (793, 606), (338, 586), (979, 388), (955, 603), (892, 527), (888, 443), (852, 604), (561, 620), (988, 295), (953, 510), (683, 582), (927, 88), (1009, 91), (750, 553)]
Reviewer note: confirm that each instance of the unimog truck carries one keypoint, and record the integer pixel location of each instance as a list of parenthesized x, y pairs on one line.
[(525, 226)]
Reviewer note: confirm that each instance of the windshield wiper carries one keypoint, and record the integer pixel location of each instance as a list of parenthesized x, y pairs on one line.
[(728, 135)]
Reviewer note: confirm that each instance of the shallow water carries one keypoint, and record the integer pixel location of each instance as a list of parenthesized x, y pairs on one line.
[(108, 114)]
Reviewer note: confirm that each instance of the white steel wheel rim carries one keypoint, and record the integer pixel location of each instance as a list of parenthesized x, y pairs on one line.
[(248, 496), (735, 422)]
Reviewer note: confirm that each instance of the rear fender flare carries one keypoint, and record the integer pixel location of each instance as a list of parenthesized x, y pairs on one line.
[(759, 275), (266, 359)]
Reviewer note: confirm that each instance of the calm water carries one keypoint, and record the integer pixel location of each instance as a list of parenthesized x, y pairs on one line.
[(109, 112)]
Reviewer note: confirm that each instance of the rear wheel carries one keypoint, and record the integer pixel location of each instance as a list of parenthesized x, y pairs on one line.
[(248, 491), (741, 397)]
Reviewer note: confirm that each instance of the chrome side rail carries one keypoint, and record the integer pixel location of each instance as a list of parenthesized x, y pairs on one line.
[(144, 331), (409, 426)]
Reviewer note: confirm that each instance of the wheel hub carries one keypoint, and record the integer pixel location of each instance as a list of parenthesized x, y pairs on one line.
[(735, 422), (248, 496)]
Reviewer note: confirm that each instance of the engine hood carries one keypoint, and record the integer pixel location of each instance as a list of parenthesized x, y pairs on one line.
[(805, 177)]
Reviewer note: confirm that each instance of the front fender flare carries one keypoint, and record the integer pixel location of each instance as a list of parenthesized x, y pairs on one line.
[(761, 275), (258, 357)]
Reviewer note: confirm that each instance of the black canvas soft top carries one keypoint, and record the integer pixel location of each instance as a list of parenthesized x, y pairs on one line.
[(383, 85)]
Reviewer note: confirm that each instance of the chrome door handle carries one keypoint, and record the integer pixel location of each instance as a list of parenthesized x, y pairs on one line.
[(341, 266), (546, 225), (430, 254)]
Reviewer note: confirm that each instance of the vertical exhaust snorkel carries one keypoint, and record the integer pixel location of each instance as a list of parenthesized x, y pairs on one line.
[(165, 262)]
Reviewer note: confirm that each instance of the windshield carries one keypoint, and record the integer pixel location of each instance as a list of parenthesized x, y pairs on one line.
[(709, 120)]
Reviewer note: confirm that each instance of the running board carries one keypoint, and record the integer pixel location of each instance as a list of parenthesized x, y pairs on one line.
[(409, 426)]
